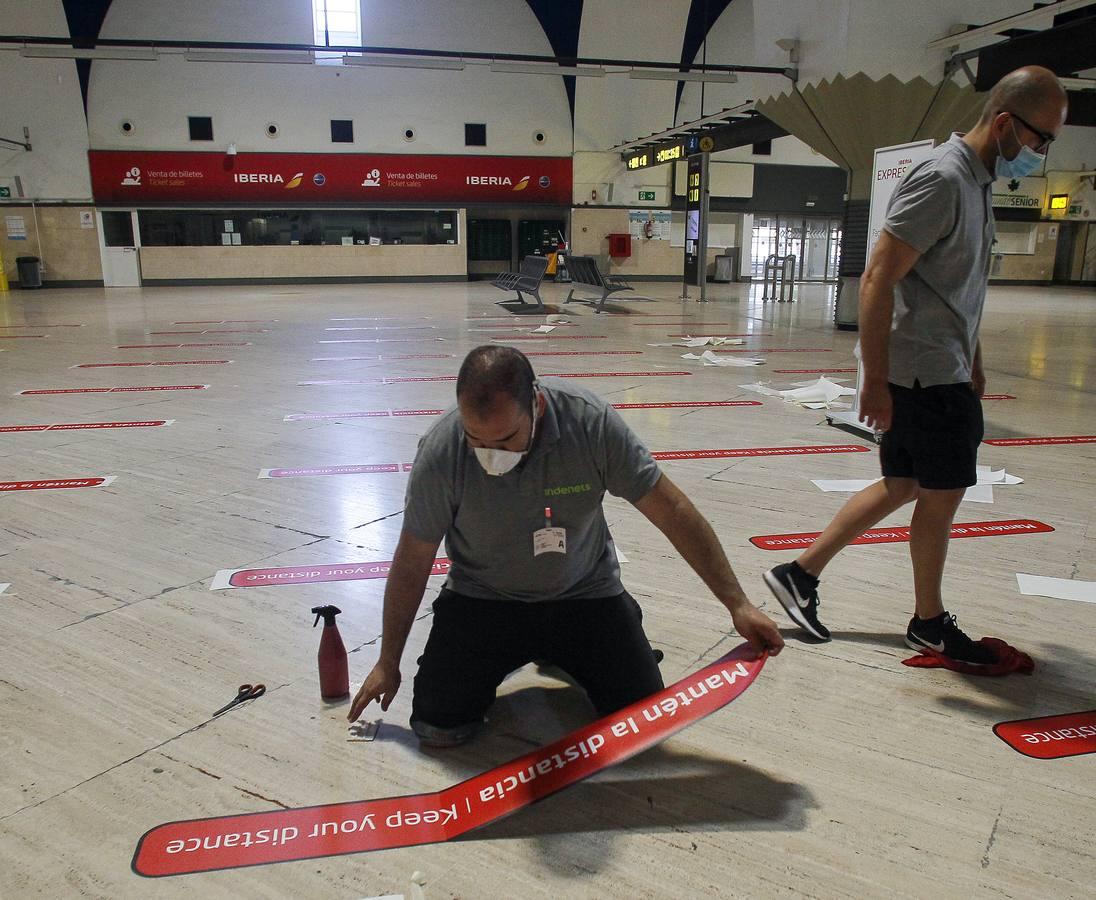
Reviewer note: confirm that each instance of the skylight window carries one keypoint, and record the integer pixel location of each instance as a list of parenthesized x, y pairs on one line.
[(336, 23)]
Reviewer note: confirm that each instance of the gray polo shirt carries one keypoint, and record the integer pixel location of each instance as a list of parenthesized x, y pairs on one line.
[(582, 449), (943, 209)]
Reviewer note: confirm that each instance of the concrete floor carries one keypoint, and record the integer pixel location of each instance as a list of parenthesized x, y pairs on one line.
[(840, 773)]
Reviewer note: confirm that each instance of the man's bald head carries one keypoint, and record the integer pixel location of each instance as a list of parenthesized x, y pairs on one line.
[(493, 372), (1031, 92)]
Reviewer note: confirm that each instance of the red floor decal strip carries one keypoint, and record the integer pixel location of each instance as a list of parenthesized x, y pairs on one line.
[(56, 483), (680, 323), (454, 377), (396, 413), (758, 451), (771, 350), (180, 346), (20, 337), (117, 390), (81, 426), (688, 404), (998, 397), (418, 340), (377, 358), (42, 326), (251, 839), (377, 469), (901, 534), (228, 322), (218, 331), (1051, 737), (555, 337), (1041, 441), (311, 574), (188, 362), (585, 353), (810, 371), (363, 414)]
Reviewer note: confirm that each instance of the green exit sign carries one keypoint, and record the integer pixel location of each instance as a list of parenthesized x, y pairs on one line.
[(5, 193), (647, 195)]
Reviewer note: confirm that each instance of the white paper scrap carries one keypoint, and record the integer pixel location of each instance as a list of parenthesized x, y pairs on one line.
[(1058, 588), (544, 329), (708, 341), (759, 388), (556, 320), (986, 475), (823, 391), (710, 359), (4, 587), (980, 493)]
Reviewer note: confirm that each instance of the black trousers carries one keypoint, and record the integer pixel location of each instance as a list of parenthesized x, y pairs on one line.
[(474, 644)]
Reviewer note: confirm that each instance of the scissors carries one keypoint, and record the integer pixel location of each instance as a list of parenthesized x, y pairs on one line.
[(245, 693)]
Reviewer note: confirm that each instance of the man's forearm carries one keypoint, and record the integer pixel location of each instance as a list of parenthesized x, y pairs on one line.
[(876, 312), (697, 543), (402, 597)]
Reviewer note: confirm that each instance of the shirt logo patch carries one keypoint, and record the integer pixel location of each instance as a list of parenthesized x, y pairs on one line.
[(568, 489)]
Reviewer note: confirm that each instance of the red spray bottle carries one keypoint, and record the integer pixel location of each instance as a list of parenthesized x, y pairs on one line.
[(334, 669)]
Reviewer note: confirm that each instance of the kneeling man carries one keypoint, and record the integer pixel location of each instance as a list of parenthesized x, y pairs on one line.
[(513, 479)]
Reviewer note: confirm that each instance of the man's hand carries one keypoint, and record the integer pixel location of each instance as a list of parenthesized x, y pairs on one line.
[(876, 406), (758, 629), (381, 684)]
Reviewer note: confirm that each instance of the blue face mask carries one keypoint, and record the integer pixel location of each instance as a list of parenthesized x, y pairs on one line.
[(1022, 164)]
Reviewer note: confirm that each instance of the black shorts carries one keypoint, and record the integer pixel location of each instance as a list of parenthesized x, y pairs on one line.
[(474, 644), (934, 436)]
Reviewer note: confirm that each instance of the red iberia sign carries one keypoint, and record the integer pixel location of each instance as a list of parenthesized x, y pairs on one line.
[(758, 451), (901, 534), (251, 839), (1051, 737), (311, 574), (126, 177)]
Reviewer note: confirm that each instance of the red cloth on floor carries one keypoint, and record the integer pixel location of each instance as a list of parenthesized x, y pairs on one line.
[(1009, 660)]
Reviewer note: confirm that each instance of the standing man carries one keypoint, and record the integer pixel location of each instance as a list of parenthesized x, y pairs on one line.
[(513, 480), (921, 301)]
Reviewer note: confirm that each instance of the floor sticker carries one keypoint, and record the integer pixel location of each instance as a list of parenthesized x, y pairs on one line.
[(377, 469), (381, 328), (376, 358), (1051, 737), (311, 574), (180, 346), (998, 397), (57, 483), (82, 426), (203, 845), (397, 413), (416, 340), (377, 318), (774, 350), (21, 337), (411, 380), (1039, 441), (42, 326), (553, 337), (665, 324), (585, 353), (758, 451), (688, 404), (185, 362), (901, 534), (116, 390), (1057, 588), (227, 322), (219, 331), (811, 371)]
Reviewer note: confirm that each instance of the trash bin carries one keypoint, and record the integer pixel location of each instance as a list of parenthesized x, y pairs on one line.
[(726, 266), (30, 271)]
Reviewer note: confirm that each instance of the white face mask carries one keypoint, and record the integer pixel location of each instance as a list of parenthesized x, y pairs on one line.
[(499, 462)]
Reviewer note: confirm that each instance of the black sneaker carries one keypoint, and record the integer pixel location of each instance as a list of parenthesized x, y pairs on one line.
[(797, 592), (944, 635)]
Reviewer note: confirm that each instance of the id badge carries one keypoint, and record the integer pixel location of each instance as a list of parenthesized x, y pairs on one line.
[(549, 540)]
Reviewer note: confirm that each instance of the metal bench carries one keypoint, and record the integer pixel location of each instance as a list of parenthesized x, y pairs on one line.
[(585, 276), (525, 281)]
